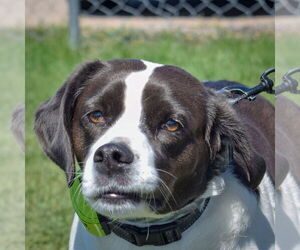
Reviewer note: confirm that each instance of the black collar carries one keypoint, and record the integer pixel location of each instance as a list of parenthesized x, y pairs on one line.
[(156, 235)]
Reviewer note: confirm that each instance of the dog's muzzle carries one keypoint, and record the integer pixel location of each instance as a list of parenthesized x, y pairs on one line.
[(157, 235)]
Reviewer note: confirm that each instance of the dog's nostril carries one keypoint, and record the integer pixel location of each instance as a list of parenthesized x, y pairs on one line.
[(122, 156), (116, 156), (98, 157)]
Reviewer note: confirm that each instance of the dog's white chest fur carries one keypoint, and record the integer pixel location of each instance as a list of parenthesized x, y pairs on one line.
[(232, 220)]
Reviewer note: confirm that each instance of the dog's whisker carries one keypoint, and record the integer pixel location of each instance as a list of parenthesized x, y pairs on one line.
[(78, 189), (154, 201), (116, 224), (149, 200), (115, 220), (164, 171), (167, 188), (148, 231), (165, 198), (155, 207), (77, 177), (148, 98)]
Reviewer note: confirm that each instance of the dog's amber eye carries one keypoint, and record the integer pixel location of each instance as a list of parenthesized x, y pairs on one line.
[(171, 126), (96, 117)]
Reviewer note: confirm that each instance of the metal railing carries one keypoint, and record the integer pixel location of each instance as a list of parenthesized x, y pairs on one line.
[(166, 8), (173, 8)]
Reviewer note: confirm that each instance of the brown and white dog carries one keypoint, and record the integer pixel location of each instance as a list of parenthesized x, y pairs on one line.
[(152, 142)]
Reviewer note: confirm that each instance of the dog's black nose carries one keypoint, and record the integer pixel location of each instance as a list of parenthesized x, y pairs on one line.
[(113, 155)]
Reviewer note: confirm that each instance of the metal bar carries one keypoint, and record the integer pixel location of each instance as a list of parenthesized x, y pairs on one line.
[(74, 29)]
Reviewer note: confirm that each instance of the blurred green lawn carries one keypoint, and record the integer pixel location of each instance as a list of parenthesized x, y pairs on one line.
[(287, 58), (12, 169), (49, 61)]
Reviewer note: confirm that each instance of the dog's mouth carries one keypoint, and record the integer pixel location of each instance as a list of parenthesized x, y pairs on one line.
[(116, 197)]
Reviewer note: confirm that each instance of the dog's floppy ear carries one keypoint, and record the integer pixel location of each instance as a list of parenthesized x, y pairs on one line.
[(224, 127), (53, 119)]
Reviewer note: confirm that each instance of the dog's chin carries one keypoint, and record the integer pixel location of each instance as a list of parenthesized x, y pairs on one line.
[(122, 208)]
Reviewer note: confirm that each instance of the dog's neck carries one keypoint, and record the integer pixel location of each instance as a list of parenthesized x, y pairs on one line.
[(167, 228), (199, 204), (215, 187), (160, 233)]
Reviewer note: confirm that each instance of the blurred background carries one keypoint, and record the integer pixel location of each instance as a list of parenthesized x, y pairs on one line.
[(213, 40), (12, 85), (287, 123)]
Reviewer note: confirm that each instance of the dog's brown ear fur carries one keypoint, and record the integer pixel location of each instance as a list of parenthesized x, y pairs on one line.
[(53, 119), (223, 126)]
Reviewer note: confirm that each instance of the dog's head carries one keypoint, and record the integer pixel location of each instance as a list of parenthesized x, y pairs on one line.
[(150, 138)]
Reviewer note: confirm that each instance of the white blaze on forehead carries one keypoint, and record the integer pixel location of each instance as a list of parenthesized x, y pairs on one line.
[(143, 174), (128, 124), (135, 84)]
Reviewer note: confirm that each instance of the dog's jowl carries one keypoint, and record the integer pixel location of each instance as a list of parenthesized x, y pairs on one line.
[(152, 143)]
